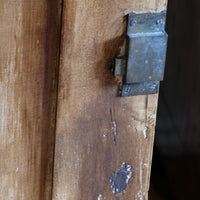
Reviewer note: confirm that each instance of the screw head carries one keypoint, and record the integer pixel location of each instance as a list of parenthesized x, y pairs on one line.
[(158, 21), (133, 22)]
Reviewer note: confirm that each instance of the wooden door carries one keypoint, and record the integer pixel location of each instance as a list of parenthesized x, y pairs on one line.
[(66, 96)]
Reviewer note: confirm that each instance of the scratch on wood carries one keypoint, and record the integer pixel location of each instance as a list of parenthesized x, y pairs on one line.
[(113, 126), (137, 119), (140, 192), (140, 171), (146, 106)]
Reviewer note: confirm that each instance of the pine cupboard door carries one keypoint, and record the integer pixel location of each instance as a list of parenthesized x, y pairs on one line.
[(100, 136)]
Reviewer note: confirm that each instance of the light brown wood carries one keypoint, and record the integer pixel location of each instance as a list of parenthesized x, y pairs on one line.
[(29, 38), (90, 113)]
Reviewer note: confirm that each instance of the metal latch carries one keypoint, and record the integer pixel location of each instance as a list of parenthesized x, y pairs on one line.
[(142, 66)]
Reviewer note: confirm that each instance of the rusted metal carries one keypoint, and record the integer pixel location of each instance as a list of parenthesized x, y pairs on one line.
[(146, 45)]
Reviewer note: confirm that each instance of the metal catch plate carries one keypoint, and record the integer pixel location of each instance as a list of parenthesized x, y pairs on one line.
[(143, 67), (140, 88), (147, 47)]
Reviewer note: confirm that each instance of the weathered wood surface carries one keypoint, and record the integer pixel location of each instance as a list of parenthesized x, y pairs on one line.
[(29, 38), (90, 114)]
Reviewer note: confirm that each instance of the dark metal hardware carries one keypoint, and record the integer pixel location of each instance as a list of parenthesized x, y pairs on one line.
[(142, 66)]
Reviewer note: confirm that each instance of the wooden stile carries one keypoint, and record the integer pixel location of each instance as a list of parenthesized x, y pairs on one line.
[(96, 130)]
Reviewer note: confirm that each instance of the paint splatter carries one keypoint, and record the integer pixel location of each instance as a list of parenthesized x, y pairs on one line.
[(99, 197), (121, 179), (145, 132)]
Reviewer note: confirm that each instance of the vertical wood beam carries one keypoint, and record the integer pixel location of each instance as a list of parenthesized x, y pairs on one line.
[(29, 37), (96, 130)]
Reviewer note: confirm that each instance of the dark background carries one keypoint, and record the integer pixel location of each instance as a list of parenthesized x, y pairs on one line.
[(176, 158)]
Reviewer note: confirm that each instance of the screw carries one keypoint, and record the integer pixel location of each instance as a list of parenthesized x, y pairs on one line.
[(158, 21), (133, 22)]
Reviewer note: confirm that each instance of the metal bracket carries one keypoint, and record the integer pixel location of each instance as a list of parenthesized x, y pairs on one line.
[(142, 66)]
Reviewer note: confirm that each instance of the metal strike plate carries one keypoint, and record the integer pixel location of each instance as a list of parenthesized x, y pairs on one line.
[(142, 67)]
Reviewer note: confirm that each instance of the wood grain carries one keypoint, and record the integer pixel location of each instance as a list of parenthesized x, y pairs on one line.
[(29, 37), (90, 112)]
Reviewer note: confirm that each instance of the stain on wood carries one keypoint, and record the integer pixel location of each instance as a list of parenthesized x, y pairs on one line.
[(85, 156), (30, 32)]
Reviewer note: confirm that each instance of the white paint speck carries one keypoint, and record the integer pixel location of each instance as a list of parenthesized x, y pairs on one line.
[(99, 197), (17, 169), (140, 195), (105, 135), (145, 132)]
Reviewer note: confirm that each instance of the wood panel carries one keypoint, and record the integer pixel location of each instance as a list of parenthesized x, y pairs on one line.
[(96, 130), (29, 37)]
